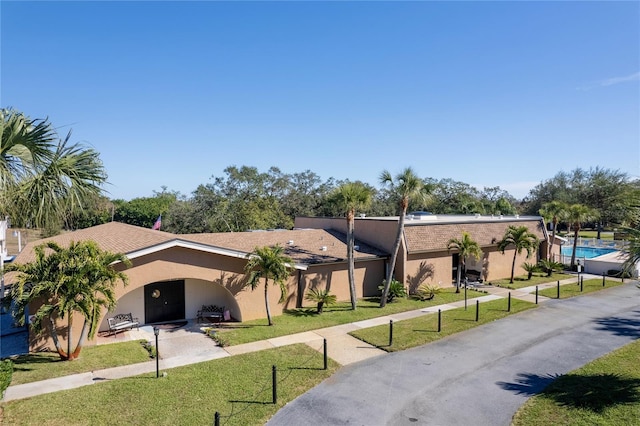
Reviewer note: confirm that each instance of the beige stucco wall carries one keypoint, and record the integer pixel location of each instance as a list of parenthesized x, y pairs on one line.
[(432, 268)]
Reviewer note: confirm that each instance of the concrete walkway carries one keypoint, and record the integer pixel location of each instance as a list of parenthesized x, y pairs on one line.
[(342, 348), (477, 377)]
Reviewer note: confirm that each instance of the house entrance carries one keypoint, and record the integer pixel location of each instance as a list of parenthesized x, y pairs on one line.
[(164, 301)]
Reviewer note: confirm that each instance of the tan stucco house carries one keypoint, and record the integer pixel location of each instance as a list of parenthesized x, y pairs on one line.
[(173, 275)]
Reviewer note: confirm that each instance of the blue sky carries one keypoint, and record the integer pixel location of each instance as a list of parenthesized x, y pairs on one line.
[(488, 93)]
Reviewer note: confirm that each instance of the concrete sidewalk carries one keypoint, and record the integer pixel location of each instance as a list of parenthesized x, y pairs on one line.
[(341, 347)]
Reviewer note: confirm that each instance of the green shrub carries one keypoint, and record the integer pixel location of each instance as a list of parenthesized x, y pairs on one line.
[(530, 268), (149, 347), (396, 289), (216, 337), (427, 291), (550, 266), (6, 371), (321, 298)]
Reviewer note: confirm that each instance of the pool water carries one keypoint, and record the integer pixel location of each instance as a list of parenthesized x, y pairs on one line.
[(587, 252)]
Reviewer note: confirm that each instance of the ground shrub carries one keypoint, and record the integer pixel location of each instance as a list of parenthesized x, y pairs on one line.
[(6, 371)]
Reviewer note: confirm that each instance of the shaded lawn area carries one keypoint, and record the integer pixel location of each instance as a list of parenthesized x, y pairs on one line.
[(571, 290), (46, 365), (239, 386), (306, 319), (419, 331), (604, 392), (536, 279)]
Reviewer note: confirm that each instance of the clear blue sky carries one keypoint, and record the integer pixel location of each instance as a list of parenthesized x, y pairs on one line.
[(488, 93)]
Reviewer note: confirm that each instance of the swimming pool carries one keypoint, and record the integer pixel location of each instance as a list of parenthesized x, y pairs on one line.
[(587, 252)]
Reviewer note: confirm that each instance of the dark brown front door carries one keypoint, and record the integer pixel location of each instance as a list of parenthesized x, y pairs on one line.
[(164, 301)]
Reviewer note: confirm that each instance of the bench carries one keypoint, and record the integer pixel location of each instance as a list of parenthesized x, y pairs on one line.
[(122, 322), (211, 313)]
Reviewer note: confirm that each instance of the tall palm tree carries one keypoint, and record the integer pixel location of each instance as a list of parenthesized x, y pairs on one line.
[(406, 186), (465, 247), (350, 197), (521, 239), (79, 278), (577, 214), (556, 212), (43, 178), (269, 263)]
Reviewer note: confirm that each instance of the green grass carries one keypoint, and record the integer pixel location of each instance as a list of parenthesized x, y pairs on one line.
[(421, 330), (305, 319), (571, 290), (189, 395), (536, 279), (46, 365), (604, 392)]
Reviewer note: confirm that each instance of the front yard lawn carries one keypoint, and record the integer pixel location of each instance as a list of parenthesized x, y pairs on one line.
[(604, 392), (536, 279), (47, 365), (306, 319), (571, 290), (237, 387), (419, 331)]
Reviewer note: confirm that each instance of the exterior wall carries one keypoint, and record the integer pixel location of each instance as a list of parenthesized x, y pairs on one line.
[(433, 268), (334, 277)]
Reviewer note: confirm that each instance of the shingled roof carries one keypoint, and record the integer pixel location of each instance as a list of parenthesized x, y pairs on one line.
[(426, 237), (307, 246)]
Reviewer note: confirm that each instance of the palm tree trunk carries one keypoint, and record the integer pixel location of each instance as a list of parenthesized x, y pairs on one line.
[(513, 265), (83, 333), (553, 239), (69, 335), (575, 245), (56, 341), (394, 257), (266, 299), (350, 259), (458, 275)]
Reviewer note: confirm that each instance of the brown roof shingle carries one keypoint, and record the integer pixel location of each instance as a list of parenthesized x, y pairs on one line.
[(434, 237)]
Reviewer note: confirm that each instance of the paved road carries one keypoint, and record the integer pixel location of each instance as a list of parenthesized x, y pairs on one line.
[(478, 377)]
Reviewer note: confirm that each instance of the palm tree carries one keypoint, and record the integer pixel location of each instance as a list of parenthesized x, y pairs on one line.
[(554, 211), (465, 246), (350, 197), (43, 178), (577, 214), (632, 251), (79, 278), (269, 263), (405, 186), (521, 239)]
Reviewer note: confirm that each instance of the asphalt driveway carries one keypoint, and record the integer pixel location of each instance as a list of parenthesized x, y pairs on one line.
[(478, 377)]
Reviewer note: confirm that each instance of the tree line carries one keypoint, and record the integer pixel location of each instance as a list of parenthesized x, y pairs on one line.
[(48, 182)]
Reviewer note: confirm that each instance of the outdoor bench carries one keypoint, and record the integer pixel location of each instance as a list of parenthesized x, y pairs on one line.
[(211, 313), (122, 322)]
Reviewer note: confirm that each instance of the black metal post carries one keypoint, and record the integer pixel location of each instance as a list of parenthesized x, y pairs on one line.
[(390, 332), (581, 282), (477, 310), (156, 331), (325, 353), (439, 320), (603, 279), (558, 297), (509, 302), (274, 389), (216, 419), (536, 295)]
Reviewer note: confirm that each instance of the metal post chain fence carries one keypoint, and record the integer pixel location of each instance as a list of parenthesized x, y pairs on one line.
[(220, 419)]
